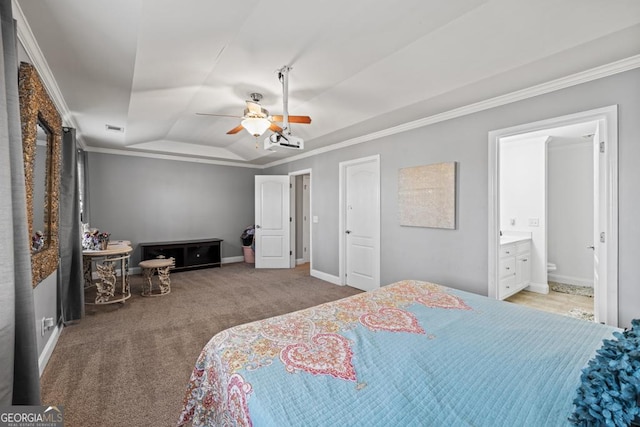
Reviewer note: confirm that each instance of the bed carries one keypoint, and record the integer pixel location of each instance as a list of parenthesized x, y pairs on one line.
[(410, 353)]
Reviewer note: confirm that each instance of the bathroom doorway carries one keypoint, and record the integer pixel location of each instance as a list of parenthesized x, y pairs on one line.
[(549, 142)]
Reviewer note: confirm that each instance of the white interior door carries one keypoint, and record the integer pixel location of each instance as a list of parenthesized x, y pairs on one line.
[(272, 217), (362, 224), (599, 218)]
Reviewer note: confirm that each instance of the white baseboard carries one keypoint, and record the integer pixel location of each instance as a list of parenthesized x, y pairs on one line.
[(138, 270), (569, 280), (539, 288), (48, 348), (326, 277)]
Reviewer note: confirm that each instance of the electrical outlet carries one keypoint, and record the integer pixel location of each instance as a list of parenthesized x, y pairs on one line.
[(47, 323), (534, 222)]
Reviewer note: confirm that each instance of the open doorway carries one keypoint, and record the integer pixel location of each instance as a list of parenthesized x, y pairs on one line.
[(301, 219), (529, 192)]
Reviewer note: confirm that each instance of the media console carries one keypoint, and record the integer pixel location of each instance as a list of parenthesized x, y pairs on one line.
[(189, 254)]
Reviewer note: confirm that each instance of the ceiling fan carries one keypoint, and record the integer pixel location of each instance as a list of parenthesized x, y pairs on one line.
[(256, 120)]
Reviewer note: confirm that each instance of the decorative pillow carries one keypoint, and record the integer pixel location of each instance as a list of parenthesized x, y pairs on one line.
[(610, 389)]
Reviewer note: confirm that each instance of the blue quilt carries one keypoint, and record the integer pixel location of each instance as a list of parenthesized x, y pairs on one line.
[(411, 353)]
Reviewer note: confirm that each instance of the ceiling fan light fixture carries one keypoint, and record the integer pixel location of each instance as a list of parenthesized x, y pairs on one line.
[(256, 126)]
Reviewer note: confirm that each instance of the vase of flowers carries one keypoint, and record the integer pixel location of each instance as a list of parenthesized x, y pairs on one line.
[(103, 240)]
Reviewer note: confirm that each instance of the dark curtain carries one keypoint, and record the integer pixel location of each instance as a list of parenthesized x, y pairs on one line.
[(70, 286), (19, 374)]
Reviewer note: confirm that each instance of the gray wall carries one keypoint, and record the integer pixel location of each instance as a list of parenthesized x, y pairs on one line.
[(152, 200), (458, 258)]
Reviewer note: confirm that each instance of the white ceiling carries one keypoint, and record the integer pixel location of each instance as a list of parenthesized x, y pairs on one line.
[(358, 66)]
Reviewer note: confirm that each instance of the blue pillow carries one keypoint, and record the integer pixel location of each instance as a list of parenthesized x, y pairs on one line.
[(610, 389)]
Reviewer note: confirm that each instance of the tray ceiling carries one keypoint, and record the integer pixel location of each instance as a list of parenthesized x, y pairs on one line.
[(358, 67)]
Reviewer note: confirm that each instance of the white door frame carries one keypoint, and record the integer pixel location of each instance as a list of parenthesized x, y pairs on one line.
[(607, 309), (342, 249), (310, 173), (306, 212)]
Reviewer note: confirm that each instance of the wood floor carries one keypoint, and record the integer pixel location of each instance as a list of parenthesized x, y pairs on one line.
[(554, 302)]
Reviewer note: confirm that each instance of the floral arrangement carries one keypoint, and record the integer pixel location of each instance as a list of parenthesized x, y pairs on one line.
[(95, 239), (610, 391)]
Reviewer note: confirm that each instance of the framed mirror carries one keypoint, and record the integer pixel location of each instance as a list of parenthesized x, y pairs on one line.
[(41, 139)]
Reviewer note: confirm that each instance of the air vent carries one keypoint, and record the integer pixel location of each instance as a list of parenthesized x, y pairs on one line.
[(112, 128)]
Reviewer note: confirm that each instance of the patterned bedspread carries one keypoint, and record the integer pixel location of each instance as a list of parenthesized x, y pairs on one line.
[(411, 353)]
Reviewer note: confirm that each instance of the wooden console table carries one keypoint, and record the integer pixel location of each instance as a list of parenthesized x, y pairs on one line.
[(188, 254), (105, 262)]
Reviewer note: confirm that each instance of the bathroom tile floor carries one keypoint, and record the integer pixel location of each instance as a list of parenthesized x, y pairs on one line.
[(553, 302)]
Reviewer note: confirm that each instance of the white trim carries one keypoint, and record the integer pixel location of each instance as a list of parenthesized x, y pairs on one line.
[(570, 280), (539, 288), (169, 157), (300, 261), (342, 252), (609, 115), (47, 351), (562, 83), (30, 44), (326, 277), (232, 259)]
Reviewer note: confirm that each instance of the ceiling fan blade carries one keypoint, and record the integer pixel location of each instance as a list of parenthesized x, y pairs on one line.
[(235, 130), (293, 119), (275, 128), (218, 115)]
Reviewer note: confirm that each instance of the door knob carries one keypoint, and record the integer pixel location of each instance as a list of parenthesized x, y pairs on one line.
[(593, 248), (348, 231), (257, 226)]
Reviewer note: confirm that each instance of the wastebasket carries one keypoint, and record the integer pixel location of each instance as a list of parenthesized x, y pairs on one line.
[(249, 256), (247, 244)]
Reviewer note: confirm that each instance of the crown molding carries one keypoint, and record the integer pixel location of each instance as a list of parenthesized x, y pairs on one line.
[(28, 41), (170, 157), (596, 73)]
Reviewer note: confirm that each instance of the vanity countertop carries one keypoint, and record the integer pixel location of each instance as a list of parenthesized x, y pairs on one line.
[(506, 240)]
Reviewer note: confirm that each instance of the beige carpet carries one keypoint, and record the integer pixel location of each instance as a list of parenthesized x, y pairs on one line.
[(129, 364)]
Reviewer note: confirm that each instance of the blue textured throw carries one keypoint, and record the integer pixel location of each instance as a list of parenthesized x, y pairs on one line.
[(610, 386)]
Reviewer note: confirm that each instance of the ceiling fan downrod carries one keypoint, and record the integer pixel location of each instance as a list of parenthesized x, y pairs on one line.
[(283, 76)]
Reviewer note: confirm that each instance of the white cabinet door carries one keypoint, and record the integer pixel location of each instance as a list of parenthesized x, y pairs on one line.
[(523, 270), (272, 212)]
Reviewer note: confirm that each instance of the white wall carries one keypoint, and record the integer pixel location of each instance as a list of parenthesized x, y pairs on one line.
[(523, 196), (570, 210)]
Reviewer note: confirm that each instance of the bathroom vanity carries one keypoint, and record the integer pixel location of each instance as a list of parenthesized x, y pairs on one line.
[(514, 265)]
